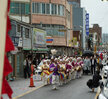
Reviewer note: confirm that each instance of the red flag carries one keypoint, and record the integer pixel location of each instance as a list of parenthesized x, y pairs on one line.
[(6, 89)]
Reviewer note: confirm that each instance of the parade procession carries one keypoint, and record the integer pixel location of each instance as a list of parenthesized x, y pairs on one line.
[(53, 49), (61, 70)]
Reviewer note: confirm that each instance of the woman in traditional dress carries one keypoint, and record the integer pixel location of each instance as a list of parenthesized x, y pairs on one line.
[(45, 72)]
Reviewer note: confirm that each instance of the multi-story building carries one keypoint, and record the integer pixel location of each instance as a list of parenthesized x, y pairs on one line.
[(79, 23), (97, 29), (26, 39), (105, 38), (55, 16)]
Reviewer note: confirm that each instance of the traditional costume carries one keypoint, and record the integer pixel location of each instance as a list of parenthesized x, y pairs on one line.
[(55, 75), (45, 72)]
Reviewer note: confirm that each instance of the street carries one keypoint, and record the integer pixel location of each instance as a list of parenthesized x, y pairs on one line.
[(76, 89)]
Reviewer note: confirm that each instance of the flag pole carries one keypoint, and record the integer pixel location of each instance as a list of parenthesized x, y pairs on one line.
[(3, 23)]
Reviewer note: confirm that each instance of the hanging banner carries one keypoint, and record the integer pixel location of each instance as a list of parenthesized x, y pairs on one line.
[(39, 38), (87, 24)]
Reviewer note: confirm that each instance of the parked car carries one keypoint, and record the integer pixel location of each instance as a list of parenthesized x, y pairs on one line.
[(104, 91)]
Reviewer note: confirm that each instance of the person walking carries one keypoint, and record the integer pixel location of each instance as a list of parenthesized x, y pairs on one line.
[(26, 68), (99, 64), (94, 82), (93, 65), (87, 64)]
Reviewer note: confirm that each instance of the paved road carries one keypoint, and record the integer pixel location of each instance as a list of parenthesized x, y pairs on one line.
[(76, 89)]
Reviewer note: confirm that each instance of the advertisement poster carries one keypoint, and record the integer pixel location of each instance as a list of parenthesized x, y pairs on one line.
[(39, 38)]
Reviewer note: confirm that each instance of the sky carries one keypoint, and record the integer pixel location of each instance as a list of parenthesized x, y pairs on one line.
[(98, 11)]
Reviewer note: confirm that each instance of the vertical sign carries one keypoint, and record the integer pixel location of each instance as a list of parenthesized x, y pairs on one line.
[(87, 24)]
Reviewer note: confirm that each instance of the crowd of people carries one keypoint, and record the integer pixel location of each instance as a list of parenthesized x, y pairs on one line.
[(61, 70)]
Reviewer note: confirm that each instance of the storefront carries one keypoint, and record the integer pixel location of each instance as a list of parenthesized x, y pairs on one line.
[(40, 49)]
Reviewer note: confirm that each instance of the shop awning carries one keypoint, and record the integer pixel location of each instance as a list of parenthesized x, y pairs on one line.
[(42, 49), (27, 49), (37, 49)]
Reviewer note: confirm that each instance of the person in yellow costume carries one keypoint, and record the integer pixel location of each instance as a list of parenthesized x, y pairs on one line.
[(45, 72)]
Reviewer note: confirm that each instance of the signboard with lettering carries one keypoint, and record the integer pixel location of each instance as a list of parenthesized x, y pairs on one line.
[(87, 24)]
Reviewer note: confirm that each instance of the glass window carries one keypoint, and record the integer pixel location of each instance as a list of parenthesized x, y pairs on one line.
[(54, 9), (12, 7), (39, 6), (27, 8), (16, 8), (19, 8), (58, 9), (22, 8), (33, 7), (18, 28), (47, 8), (21, 31), (43, 8), (26, 33), (61, 10)]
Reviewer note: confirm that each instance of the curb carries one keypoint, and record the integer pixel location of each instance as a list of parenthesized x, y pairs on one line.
[(27, 92)]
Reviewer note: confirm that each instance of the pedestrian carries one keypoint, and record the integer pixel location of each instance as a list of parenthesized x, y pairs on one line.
[(87, 64), (93, 65), (99, 64), (26, 68), (94, 82)]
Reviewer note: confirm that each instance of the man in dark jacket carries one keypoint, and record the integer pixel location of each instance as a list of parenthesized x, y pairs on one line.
[(93, 65), (96, 79), (94, 82)]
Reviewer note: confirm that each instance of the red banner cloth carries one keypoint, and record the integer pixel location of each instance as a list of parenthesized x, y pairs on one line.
[(6, 89)]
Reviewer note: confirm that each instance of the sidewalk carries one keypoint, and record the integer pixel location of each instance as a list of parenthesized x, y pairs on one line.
[(21, 86)]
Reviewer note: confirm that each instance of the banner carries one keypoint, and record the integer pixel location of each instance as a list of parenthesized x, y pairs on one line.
[(39, 38)]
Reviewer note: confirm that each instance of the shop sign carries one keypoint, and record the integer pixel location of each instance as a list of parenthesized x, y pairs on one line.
[(17, 41), (87, 24)]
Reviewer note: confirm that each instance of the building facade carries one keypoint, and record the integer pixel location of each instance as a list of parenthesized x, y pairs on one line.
[(20, 10), (97, 29), (105, 38), (55, 17), (75, 2), (93, 39), (28, 41), (79, 24)]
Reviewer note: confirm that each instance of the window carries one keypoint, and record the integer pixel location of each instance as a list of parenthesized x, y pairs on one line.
[(39, 6), (18, 28), (22, 8), (16, 8), (19, 8), (54, 9), (47, 8), (43, 8), (61, 10), (26, 33), (33, 7), (58, 9), (21, 31)]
